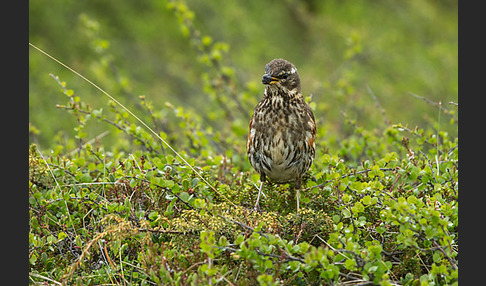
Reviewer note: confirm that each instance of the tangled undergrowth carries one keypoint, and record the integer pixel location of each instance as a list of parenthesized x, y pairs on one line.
[(378, 207), (145, 218)]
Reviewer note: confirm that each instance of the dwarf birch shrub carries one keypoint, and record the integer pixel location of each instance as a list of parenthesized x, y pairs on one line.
[(145, 217), (378, 206)]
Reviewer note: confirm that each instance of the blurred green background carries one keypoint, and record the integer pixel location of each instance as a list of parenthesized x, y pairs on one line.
[(344, 51)]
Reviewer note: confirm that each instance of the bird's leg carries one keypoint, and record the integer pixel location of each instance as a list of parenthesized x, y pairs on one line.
[(297, 189), (257, 207), (297, 192)]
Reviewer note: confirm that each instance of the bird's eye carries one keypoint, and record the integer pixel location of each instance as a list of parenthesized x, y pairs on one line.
[(284, 76)]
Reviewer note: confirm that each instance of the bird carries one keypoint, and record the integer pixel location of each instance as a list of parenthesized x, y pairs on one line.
[(282, 130)]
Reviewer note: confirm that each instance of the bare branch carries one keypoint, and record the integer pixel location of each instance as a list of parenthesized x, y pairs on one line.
[(378, 105), (433, 103)]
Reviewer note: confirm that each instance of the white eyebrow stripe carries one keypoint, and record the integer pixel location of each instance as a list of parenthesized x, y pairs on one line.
[(293, 70)]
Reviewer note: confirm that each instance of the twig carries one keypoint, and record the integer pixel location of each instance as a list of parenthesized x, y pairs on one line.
[(447, 256), (192, 266), (91, 141), (104, 254), (378, 105), (156, 126), (394, 183), (433, 103), (118, 126), (430, 165), (287, 256), (45, 278)]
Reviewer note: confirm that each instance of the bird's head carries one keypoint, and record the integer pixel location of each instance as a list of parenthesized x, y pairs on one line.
[(282, 75)]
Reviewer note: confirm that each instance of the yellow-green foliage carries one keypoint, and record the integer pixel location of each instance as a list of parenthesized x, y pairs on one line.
[(111, 204)]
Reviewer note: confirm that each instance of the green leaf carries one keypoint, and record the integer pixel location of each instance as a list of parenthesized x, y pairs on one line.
[(61, 235), (167, 183), (366, 200), (268, 264), (51, 239), (346, 213), (437, 257), (153, 215), (239, 239), (373, 268), (222, 241), (350, 264), (336, 218), (357, 208), (133, 183), (184, 196), (156, 181)]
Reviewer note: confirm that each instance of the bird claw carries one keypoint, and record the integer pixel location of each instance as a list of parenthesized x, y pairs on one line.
[(256, 208)]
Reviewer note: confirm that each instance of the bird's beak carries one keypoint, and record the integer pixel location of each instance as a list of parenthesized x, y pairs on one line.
[(268, 79)]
